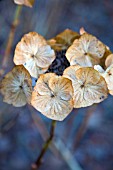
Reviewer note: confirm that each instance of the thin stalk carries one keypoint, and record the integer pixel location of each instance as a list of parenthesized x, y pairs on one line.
[(10, 38), (45, 146)]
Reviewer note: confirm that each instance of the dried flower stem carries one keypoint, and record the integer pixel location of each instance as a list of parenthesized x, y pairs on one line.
[(10, 39), (45, 146)]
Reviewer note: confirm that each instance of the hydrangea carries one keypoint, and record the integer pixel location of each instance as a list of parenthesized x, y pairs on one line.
[(44, 78)]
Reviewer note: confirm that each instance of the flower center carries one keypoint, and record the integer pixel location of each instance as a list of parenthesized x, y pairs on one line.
[(109, 74), (21, 87), (59, 64), (33, 56), (82, 86), (52, 95)]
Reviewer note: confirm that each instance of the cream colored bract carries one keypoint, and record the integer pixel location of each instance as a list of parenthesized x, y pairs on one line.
[(34, 53), (85, 51), (89, 86), (52, 96), (16, 87)]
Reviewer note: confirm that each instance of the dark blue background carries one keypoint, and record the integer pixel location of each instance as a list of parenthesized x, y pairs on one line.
[(22, 130)]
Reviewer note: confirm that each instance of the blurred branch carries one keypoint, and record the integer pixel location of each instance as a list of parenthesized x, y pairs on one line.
[(45, 146), (10, 39), (67, 156), (83, 126), (9, 123)]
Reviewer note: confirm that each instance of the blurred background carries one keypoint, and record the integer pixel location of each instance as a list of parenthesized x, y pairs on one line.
[(84, 140)]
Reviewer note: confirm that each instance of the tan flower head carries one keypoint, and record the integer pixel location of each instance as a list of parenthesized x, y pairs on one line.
[(85, 51), (63, 40), (109, 60), (89, 86), (34, 53), (52, 96), (28, 3), (16, 87)]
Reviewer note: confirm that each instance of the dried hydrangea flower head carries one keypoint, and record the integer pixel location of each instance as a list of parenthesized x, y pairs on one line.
[(28, 3), (109, 60), (85, 51), (34, 53), (52, 96), (108, 76), (89, 86), (63, 40), (16, 87)]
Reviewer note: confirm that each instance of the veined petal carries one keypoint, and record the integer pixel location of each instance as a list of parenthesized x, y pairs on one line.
[(86, 51), (34, 53), (89, 86), (16, 87), (52, 96)]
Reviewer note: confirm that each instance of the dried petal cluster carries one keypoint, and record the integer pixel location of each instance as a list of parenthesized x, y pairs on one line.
[(34, 53), (85, 51), (16, 87), (82, 84), (52, 96), (89, 86)]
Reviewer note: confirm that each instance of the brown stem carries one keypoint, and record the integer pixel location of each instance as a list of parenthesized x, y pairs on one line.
[(45, 147), (10, 39)]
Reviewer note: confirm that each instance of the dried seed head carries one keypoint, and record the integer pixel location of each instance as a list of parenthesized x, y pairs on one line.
[(16, 87), (52, 96)]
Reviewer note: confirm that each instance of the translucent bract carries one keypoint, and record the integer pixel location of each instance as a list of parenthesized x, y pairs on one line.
[(89, 86), (16, 87), (34, 53), (52, 96), (85, 51)]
